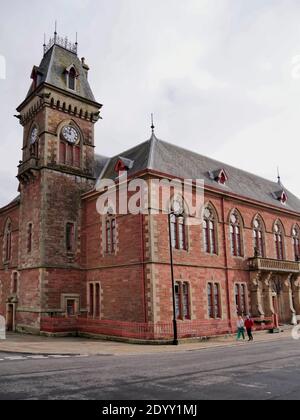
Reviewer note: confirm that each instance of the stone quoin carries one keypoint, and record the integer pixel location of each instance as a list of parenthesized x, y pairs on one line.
[(66, 269)]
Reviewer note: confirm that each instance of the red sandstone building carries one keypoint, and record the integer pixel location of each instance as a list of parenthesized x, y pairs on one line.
[(66, 269)]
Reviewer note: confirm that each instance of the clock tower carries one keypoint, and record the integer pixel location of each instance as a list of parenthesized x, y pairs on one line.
[(57, 167)]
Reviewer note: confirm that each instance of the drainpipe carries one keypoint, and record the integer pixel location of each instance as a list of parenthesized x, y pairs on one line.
[(226, 265)]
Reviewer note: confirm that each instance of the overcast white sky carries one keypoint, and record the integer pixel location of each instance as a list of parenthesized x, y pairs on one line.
[(221, 76)]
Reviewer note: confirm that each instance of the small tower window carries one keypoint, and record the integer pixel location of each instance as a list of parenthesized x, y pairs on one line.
[(72, 79), (70, 237), (29, 238), (15, 283), (7, 242)]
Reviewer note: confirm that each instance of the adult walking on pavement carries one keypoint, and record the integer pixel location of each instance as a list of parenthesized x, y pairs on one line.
[(241, 328), (249, 324)]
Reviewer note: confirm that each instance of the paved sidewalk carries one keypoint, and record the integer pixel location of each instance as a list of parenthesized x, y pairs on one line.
[(27, 344)]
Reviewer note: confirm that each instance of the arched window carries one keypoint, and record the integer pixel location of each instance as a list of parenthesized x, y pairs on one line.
[(178, 225), (15, 284), (236, 235), (7, 241), (258, 238), (209, 231), (296, 242), (182, 300), (34, 142), (72, 79), (111, 235), (70, 146), (279, 241), (178, 232), (214, 300), (241, 298)]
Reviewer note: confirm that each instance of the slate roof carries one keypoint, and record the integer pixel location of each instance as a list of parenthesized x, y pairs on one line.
[(175, 161), (52, 71), (100, 162)]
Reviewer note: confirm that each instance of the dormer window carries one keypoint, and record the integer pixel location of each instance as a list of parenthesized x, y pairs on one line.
[(281, 196), (71, 77), (123, 165), (222, 178), (36, 76), (219, 176)]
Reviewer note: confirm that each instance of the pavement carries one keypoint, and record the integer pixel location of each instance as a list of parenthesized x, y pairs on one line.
[(39, 345)]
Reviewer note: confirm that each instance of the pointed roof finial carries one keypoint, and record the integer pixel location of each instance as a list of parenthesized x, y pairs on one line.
[(55, 32), (44, 45), (278, 176), (152, 124)]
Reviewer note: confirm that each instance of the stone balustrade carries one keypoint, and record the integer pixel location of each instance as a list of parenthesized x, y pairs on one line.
[(275, 266)]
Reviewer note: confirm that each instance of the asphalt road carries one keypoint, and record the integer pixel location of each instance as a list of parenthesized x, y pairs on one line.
[(260, 371)]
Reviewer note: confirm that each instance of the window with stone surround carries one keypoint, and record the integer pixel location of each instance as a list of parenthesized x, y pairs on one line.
[(182, 301), (71, 307), (70, 303), (7, 241), (258, 237), (241, 298), (214, 301), (70, 154), (29, 238), (15, 282), (296, 242), (236, 242), (110, 235), (70, 238), (279, 241), (209, 231), (178, 232), (71, 78), (94, 300)]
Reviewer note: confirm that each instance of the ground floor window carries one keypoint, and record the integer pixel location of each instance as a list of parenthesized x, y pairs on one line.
[(214, 300), (182, 300), (71, 307), (94, 300), (241, 298), (71, 304)]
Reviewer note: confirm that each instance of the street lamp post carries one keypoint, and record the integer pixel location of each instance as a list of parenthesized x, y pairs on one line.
[(175, 331)]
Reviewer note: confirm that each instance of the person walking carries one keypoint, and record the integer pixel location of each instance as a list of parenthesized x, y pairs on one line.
[(241, 328), (249, 324)]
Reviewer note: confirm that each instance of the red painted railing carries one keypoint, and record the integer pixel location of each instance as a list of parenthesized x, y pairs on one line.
[(142, 331), (149, 331)]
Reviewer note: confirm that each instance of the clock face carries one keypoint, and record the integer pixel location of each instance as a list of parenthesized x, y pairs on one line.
[(70, 134), (34, 135)]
